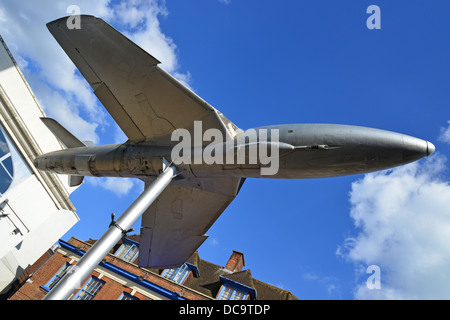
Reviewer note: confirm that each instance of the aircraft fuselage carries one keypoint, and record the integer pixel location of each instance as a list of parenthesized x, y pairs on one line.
[(301, 151)]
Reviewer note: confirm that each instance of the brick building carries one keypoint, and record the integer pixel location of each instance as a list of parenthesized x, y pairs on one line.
[(118, 277)]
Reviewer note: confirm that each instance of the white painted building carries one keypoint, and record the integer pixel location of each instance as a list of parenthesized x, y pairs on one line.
[(35, 210)]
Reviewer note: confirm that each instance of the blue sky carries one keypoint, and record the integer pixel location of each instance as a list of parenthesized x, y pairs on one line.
[(274, 62)]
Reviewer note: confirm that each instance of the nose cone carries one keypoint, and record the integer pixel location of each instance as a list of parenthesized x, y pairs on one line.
[(415, 149), (430, 148)]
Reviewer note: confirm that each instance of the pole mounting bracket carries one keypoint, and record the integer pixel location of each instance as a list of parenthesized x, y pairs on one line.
[(115, 224)]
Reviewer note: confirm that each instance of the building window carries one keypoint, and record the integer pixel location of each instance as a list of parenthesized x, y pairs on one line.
[(127, 296), (12, 167), (127, 251), (239, 295), (91, 288), (229, 292), (53, 281), (177, 274), (6, 170), (6, 166)]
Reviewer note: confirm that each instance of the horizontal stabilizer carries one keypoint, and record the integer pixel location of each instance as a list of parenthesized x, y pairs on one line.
[(63, 135)]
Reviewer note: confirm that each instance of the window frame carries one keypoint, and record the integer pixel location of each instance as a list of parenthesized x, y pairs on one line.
[(175, 273), (132, 245), (84, 292), (226, 288), (58, 275), (12, 163)]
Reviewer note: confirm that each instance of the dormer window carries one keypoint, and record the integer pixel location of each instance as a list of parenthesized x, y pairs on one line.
[(229, 292), (232, 290)]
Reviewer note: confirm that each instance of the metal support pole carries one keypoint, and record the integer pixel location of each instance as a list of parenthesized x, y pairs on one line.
[(79, 272)]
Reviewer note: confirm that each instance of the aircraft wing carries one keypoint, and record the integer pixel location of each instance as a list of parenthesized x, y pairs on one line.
[(174, 226), (146, 102)]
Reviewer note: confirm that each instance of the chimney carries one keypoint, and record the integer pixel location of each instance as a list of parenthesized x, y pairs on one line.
[(235, 262)]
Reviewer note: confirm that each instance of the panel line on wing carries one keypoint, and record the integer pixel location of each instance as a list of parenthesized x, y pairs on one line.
[(116, 110)]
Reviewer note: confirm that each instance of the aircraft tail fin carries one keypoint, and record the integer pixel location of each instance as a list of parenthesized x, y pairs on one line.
[(68, 140), (63, 135)]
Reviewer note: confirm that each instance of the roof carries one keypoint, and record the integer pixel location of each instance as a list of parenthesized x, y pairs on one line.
[(209, 281)]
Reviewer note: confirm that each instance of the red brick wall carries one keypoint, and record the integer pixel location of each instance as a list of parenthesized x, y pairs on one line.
[(149, 276), (31, 289), (111, 290)]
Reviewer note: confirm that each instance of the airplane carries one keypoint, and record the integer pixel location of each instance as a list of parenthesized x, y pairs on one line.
[(150, 105)]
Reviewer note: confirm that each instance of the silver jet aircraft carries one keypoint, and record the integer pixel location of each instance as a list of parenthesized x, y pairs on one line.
[(151, 107)]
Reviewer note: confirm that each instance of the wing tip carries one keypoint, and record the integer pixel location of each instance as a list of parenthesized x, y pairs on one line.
[(84, 18), (61, 26)]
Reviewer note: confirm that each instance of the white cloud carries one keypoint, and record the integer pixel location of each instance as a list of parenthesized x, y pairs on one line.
[(445, 133), (131, 15), (403, 217), (310, 276), (329, 283), (141, 19), (118, 186), (213, 242), (64, 108)]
